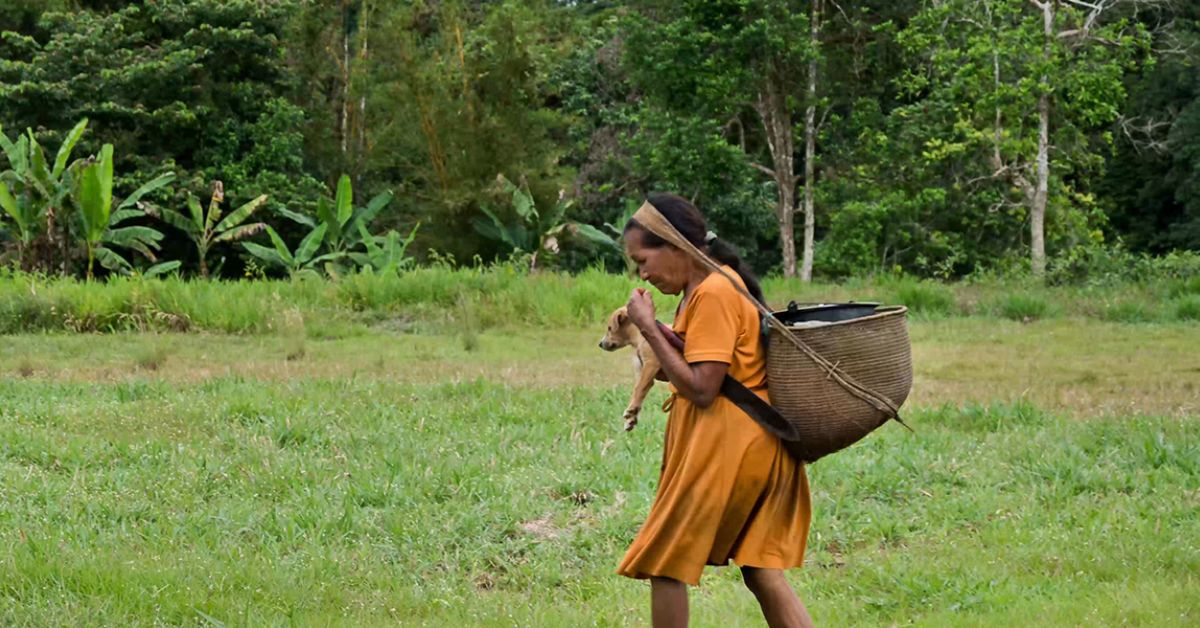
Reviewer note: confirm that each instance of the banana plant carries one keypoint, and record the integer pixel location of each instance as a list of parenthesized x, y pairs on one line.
[(31, 191), (208, 228), (301, 263), (534, 232), (340, 217), (100, 230), (617, 229), (384, 254)]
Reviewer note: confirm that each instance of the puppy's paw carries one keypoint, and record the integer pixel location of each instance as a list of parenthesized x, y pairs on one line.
[(631, 418)]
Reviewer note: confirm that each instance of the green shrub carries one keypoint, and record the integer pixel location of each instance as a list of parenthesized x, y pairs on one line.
[(926, 298), (1102, 265), (1022, 307), (1127, 312), (1184, 287), (1188, 308)]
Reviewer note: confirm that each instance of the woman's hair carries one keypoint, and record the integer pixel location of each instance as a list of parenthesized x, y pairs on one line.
[(690, 223)]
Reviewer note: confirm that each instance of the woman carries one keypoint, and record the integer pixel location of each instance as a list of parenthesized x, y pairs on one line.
[(728, 490)]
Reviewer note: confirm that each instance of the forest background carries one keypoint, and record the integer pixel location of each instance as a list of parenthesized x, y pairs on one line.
[(1055, 138)]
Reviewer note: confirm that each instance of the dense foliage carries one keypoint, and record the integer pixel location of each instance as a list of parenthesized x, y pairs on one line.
[(939, 139)]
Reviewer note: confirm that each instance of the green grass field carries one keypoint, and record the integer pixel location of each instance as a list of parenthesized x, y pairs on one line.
[(378, 476)]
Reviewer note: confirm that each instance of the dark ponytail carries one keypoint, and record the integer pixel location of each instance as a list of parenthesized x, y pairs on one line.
[(690, 223)]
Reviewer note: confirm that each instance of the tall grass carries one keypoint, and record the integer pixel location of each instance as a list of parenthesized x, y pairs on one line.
[(496, 295), (502, 295), (1187, 308)]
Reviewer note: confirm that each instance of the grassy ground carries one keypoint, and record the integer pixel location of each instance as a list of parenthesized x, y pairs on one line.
[(375, 476)]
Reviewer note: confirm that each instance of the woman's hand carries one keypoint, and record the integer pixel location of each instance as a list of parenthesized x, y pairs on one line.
[(700, 382), (640, 309)]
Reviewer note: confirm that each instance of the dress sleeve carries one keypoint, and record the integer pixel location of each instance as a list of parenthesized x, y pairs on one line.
[(712, 328)]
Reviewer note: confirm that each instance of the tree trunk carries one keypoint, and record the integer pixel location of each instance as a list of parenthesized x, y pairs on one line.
[(1037, 212), (361, 151), (344, 115), (777, 121), (787, 232), (810, 140)]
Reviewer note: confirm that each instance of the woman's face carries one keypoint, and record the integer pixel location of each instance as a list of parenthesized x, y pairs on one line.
[(665, 267)]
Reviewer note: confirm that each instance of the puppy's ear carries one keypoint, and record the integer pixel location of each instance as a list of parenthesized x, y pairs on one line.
[(622, 316)]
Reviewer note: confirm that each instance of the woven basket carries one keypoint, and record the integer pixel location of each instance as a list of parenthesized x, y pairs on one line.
[(832, 384), (873, 351)]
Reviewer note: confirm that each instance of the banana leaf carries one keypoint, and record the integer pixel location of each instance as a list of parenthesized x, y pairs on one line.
[(281, 248), (148, 187), (94, 205), (112, 261), (68, 145), (270, 256), (594, 235), (177, 220), (122, 215), (240, 214), (9, 203), (344, 201), (38, 169), (127, 236), (297, 217), (162, 269), (325, 212), (197, 213), (237, 233), (309, 245), (14, 152)]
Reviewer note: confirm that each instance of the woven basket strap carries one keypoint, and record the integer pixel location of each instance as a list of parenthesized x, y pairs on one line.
[(649, 217)]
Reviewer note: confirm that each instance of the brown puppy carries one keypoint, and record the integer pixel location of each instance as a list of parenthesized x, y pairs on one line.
[(623, 333)]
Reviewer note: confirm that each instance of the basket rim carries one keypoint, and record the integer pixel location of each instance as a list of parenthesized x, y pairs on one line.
[(880, 312)]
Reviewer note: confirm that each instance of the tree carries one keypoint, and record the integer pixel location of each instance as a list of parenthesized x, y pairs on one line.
[(462, 92), (331, 48), (1151, 186), (197, 87), (810, 142), (1025, 87), (718, 61)]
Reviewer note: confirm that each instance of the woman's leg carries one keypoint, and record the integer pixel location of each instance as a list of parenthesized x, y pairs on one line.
[(780, 605), (668, 603)]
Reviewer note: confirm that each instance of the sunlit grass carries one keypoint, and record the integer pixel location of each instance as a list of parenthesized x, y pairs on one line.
[(394, 477)]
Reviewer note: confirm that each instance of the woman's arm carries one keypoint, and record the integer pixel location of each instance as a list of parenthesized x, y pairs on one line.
[(698, 382)]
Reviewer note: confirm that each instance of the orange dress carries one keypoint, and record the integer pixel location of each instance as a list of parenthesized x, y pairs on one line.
[(728, 490)]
